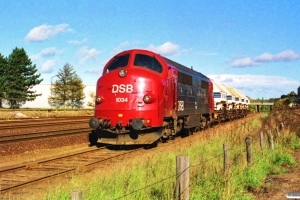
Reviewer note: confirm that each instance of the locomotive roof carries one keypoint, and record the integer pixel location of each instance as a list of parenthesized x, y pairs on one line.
[(182, 67)]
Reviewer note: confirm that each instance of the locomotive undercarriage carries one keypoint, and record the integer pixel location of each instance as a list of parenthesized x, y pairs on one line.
[(135, 132), (184, 126)]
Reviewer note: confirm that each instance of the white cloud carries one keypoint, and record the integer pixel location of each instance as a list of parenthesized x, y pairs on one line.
[(44, 32), (245, 62), (51, 51), (48, 66), (77, 42), (285, 56), (167, 48), (87, 54), (257, 85), (35, 57)]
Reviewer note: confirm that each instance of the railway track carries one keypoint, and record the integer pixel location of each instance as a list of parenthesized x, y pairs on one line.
[(41, 122), (43, 134), (14, 177)]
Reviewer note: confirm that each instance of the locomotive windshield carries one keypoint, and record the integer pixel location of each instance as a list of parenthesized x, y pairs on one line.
[(146, 61), (118, 62)]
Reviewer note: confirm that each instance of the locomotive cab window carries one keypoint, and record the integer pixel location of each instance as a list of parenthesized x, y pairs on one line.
[(121, 61), (146, 61)]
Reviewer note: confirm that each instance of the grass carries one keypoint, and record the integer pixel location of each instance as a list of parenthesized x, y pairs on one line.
[(154, 177)]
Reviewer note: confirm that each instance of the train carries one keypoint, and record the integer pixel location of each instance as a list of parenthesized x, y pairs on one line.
[(143, 97)]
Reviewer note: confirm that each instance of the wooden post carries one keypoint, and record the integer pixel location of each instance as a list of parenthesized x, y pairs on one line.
[(76, 195), (249, 149), (182, 177), (277, 131), (281, 125), (226, 161), (261, 139), (270, 138)]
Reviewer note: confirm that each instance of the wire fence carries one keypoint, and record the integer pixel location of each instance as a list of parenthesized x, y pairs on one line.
[(181, 193)]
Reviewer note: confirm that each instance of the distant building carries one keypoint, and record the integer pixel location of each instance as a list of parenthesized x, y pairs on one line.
[(45, 90)]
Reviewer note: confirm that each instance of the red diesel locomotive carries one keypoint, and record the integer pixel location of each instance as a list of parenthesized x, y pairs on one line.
[(142, 97)]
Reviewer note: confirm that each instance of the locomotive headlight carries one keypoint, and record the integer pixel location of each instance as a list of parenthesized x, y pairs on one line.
[(99, 99), (122, 73), (147, 99)]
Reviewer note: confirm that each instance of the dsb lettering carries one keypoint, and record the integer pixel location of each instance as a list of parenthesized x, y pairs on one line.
[(128, 88)]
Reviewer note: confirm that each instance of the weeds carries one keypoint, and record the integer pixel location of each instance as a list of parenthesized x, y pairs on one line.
[(154, 178)]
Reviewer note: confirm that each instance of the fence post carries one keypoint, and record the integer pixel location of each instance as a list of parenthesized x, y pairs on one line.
[(270, 138), (277, 131), (261, 139), (76, 195), (281, 125), (249, 149), (226, 161), (182, 177)]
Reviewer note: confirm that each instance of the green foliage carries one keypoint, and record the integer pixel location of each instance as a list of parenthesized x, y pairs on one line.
[(20, 76), (92, 96), (3, 64), (67, 91), (285, 159)]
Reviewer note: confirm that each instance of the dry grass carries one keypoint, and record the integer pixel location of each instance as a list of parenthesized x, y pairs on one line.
[(42, 113)]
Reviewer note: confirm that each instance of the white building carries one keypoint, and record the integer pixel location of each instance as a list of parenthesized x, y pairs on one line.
[(45, 90)]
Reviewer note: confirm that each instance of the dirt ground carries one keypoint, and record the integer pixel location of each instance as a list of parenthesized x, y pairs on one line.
[(276, 186)]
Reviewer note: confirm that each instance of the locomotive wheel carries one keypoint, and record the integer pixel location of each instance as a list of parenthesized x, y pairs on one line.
[(163, 140), (185, 132)]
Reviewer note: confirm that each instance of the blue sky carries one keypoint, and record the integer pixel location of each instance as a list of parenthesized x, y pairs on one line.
[(253, 46)]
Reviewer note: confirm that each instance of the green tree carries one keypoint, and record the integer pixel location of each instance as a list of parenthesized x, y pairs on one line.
[(92, 95), (3, 64), (67, 91), (76, 96), (20, 77)]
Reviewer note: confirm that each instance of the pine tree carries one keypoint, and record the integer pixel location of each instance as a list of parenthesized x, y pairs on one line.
[(20, 77), (3, 64), (68, 89)]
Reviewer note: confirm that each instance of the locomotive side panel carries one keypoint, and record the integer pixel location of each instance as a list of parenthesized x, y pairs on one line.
[(194, 95)]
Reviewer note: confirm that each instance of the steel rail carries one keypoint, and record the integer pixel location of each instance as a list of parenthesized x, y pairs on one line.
[(43, 134), (39, 120), (64, 166), (40, 124)]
